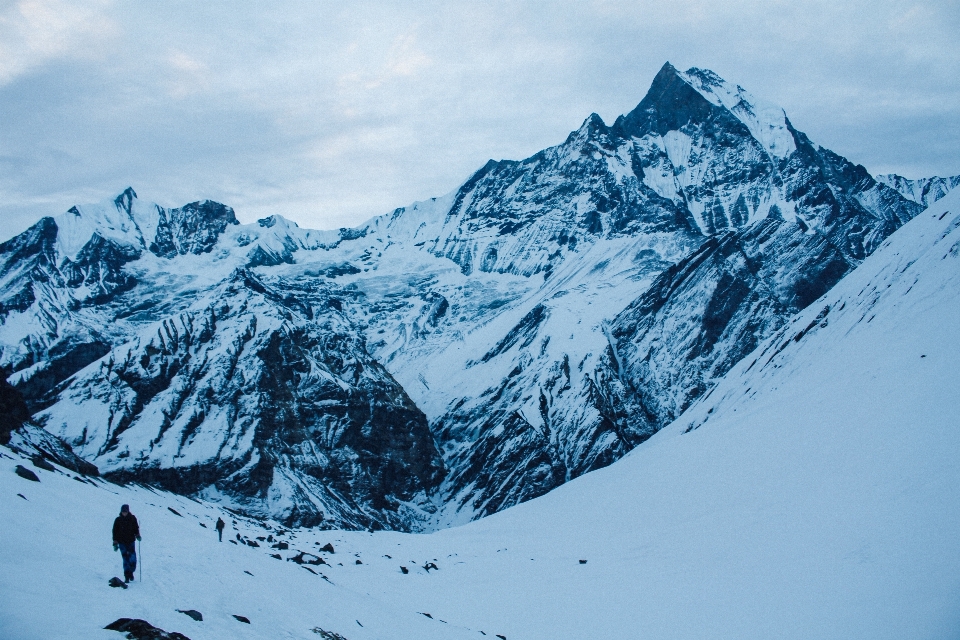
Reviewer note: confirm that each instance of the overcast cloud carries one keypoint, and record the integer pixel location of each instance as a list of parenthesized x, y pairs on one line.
[(329, 114)]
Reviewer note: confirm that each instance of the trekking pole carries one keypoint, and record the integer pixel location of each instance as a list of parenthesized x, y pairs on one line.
[(140, 553)]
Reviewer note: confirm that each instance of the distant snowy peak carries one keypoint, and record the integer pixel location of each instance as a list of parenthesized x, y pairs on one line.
[(130, 223), (924, 191), (678, 100)]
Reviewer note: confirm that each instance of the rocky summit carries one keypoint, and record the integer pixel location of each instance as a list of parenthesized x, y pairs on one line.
[(454, 357)]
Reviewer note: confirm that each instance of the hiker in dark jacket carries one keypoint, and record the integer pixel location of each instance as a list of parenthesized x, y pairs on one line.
[(220, 525), (126, 531)]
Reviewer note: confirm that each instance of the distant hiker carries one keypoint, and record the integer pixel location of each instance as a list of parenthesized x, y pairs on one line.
[(220, 525), (126, 530)]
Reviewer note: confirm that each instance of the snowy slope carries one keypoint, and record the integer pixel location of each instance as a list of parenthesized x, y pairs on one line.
[(56, 559), (812, 494)]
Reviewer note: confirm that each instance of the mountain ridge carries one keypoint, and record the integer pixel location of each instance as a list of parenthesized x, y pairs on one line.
[(542, 319)]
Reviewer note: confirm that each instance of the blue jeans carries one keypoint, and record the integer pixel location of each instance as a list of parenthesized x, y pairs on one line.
[(128, 551)]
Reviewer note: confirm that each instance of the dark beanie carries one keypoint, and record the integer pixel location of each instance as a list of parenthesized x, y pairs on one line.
[(125, 508)]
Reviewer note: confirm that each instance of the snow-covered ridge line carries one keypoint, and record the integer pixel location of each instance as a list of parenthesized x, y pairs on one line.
[(925, 191), (482, 312), (766, 121)]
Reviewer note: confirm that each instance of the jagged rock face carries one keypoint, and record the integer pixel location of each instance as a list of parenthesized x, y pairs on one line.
[(454, 357), (523, 217), (54, 289), (261, 398), (193, 228), (707, 312), (13, 410), (63, 271)]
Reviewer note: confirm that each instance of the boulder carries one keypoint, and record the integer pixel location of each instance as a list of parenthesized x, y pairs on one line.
[(137, 629), (193, 613), (25, 473)]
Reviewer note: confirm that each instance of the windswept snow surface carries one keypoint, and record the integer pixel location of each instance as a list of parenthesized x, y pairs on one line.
[(812, 494)]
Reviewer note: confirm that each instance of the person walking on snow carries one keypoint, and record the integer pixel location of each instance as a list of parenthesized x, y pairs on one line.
[(126, 530), (220, 525)]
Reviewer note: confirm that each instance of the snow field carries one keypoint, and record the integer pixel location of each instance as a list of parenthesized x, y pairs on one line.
[(56, 558)]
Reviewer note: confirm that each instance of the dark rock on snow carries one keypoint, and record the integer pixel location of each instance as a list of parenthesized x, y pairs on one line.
[(137, 629), (26, 474), (193, 613), (13, 409), (40, 463), (306, 558)]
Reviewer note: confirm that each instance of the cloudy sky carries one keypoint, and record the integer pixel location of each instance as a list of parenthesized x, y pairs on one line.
[(329, 114)]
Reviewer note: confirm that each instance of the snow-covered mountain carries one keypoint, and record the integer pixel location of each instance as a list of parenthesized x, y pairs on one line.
[(810, 494), (925, 191), (535, 324)]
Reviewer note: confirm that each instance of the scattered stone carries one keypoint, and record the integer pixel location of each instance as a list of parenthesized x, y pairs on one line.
[(305, 558), (404, 570), (193, 613), (426, 614), (387, 557), (583, 562), (247, 572), (429, 566), (234, 541), (261, 538), (276, 555), (283, 546), (328, 548), (501, 637), (39, 462), (358, 561), (202, 525), (137, 629), (327, 635), (174, 511), (253, 543), (270, 538), (310, 570), (246, 620), (23, 496), (117, 582), (26, 474)]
